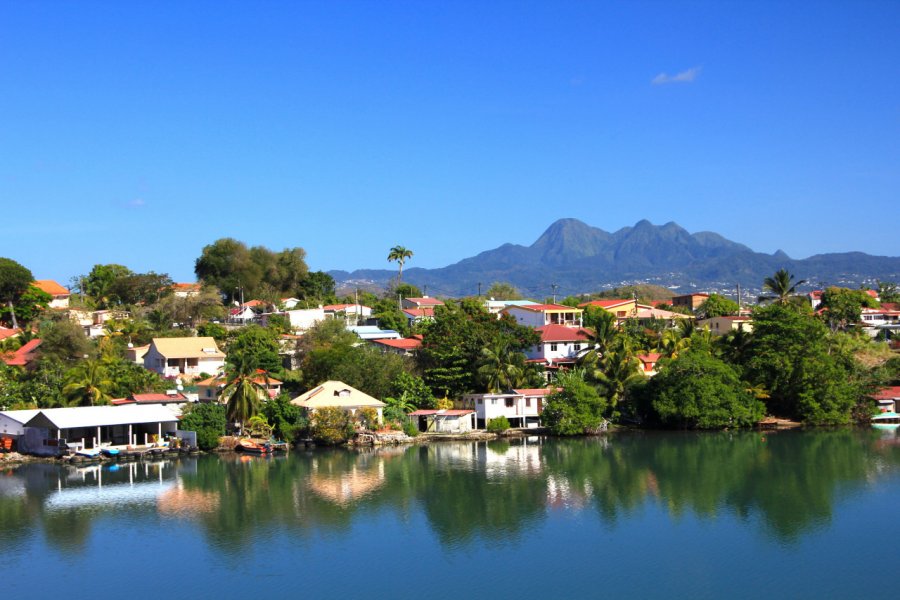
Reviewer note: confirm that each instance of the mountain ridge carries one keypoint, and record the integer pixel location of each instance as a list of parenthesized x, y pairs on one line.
[(579, 258)]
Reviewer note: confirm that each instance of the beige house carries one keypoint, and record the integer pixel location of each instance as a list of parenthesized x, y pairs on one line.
[(209, 390), (338, 394), (725, 325), (191, 356)]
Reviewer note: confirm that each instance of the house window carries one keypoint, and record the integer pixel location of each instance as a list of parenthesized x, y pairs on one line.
[(527, 402), (576, 347), (620, 313), (479, 402), (552, 347), (509, 403)]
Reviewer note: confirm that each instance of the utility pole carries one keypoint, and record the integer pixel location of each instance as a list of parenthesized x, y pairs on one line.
[(739, 297), (479, 289), (555, 287)]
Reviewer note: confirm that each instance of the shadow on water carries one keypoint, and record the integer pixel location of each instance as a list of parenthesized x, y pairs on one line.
[(467, 492)]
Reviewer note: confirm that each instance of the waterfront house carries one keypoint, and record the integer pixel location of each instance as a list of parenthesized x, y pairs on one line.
[(51, 430), (888, 399), (337, 394), (522, 407), (12, 423), (191, 356), (444, 421), (538, 315), (60, 295)]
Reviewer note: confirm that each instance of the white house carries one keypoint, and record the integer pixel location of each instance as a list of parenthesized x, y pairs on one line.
[(350, 313), (559, 345), (12, 422), (189, 356), (522, 407), (538, 315), (303, 319)]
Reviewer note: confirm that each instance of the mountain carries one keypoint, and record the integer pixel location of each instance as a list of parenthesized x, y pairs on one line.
[(578, 258)]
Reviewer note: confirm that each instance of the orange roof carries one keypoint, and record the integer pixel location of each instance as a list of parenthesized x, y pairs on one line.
[(51, 287), (186, 286), (425, 301), (888, 393), (649, 358), (22, 356), (419, 312), (5, 332), (534, 391)]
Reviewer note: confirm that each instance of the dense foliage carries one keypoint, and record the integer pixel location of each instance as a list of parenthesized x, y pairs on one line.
[(208, 420), (575, 407)]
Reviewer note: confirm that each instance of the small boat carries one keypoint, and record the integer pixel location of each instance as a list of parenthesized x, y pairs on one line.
[(88, 452), (252, 447), (886, 420), (110, 452)]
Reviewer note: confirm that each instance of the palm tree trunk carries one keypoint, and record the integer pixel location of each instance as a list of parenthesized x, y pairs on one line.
[(12, 311)]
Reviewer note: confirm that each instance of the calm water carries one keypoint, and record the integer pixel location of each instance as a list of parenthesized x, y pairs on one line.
[(793, 514)]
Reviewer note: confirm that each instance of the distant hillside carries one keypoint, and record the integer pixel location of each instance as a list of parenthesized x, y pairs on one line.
[(578, 259)]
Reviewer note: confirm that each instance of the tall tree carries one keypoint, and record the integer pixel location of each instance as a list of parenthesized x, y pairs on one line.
[(780, 287), (14, 281), (500, 369), (399, 254), (243, 393)]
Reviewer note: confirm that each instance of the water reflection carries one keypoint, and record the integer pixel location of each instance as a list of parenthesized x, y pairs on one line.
[(467, 492)]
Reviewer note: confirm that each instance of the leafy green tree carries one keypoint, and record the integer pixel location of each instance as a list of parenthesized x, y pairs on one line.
[(498, 424), (213, 330), (317, 287), (842, 308), (28, 307), (129, 378), (99, 282), (789, 358), (287, 419), (780, 287), (139, 288), (575, 408), (232, 267), (888, 292), (256, 348), (403, 290), (14, 281), (620, 370), (207, 420), (88, 384), (411, 391), (64, 339), (717, 306), (503, 291), (399, 254), (699, 391)]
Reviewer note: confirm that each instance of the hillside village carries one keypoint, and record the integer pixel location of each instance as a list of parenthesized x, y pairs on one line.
[(234, 353)]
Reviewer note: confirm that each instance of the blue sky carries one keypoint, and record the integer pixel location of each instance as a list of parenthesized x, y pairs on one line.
[(137, 133)]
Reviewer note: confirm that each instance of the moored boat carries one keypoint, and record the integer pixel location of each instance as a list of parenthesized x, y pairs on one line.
[(886, 420), (252, 447)]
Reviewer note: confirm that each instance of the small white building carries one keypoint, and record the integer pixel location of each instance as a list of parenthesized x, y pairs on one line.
[(559, 345), (444, 421), (522, 407), (60, 295), (191, 356), (351, 314), (12, 422), (301, 319)]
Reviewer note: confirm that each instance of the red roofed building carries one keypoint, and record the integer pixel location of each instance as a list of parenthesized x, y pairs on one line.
[(59, 293), (403, 346), (415, 315), (152, 398), (6, 333), (522, 408), (648, 363), (888, 399), (24, 356), (559, 345), (424, 302)]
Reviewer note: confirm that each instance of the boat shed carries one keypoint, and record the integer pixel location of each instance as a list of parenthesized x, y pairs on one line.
[(12, 425), (444, 421), (51, 430)]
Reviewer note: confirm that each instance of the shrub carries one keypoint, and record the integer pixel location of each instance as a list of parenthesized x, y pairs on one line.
[(207, 420), (410, 429), (331, 425), (498, 425), (367, 417)]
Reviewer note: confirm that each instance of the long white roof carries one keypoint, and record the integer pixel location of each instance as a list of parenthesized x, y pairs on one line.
[(20, 416), (101, 416)]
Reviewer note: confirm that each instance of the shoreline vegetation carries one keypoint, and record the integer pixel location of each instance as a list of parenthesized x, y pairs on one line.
[(624, 357)]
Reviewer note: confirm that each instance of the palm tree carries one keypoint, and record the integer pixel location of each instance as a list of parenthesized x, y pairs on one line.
[(88, 384), (780, 287), (243, 393), (399, 254), (500, 368), (619, 371), (603, 334)]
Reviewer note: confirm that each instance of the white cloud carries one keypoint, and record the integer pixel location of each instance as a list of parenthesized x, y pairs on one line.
[(684, 77)]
